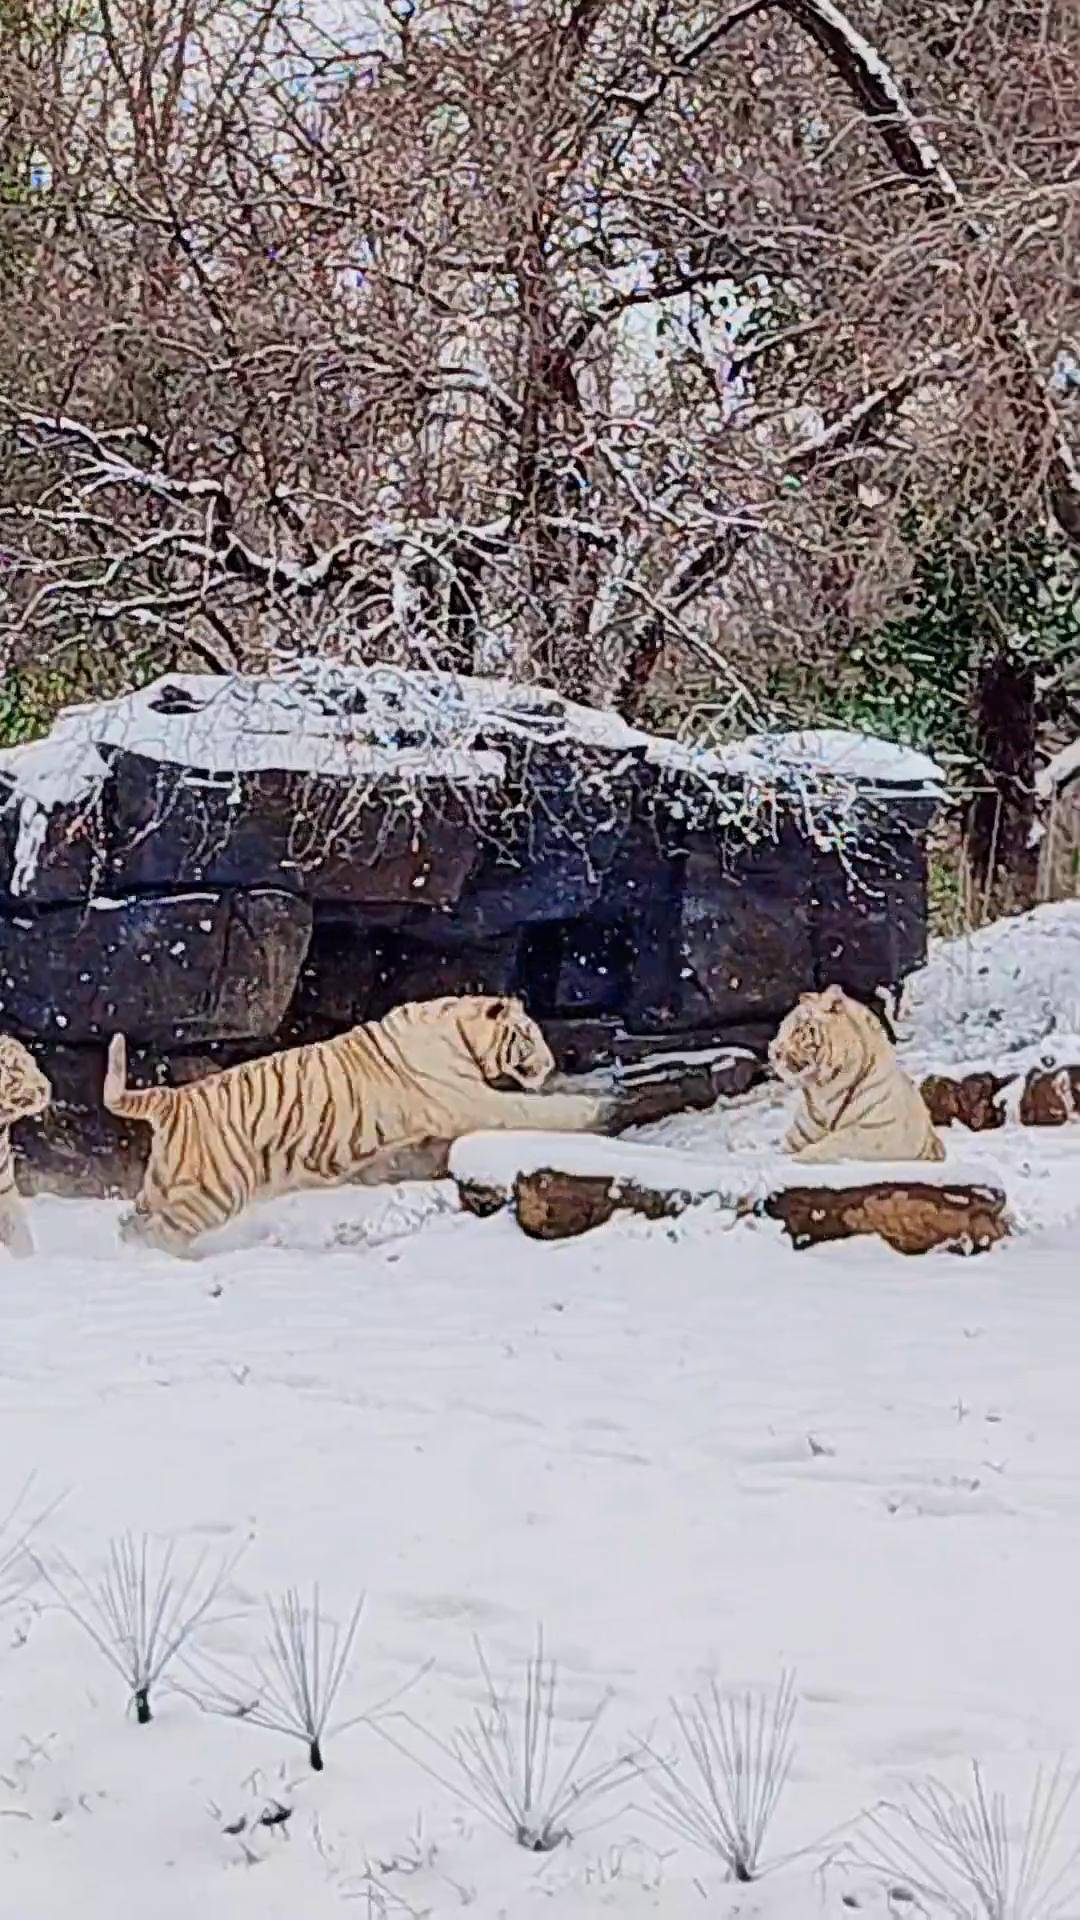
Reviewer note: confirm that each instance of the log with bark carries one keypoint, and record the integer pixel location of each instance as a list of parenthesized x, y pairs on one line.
[(1046, 1097), (911, 1209)]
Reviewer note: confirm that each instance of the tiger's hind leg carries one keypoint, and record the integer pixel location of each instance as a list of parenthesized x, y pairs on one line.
[(15, 1232), (185, 1193), (142, 1228), (421, 1157), (827, 1152), (173, 1220)]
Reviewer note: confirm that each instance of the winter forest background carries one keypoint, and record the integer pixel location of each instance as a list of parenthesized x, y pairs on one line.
[(718, 363)]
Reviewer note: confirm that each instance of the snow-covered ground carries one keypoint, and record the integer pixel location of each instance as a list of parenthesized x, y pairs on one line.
[(685, 1449)]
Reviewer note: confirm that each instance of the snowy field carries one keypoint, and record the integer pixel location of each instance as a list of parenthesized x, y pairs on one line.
[(686, 1450)]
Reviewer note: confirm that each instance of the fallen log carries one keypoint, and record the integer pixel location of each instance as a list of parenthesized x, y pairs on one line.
[(1041, 1097), (908, 1215), (911, 1208), (1050, 1099)]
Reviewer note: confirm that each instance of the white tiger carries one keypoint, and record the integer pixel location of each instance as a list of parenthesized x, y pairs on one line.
[(857, 1102), (328, 1113), (24, 1091)]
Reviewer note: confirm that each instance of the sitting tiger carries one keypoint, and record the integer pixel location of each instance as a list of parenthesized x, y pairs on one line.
[(857, 1101), (24, 1091), (324, 1114)]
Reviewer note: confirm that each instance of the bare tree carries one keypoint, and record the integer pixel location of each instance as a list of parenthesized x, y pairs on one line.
[(595, 342)]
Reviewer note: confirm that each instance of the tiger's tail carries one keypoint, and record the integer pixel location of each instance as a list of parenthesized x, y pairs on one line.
[(150, 1103)]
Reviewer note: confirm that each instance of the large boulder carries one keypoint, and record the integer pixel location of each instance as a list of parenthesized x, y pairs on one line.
[(221, 866), (167, 969), (745, 929), (172, 826)]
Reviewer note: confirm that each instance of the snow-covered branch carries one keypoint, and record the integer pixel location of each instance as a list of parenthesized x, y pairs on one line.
[(871, 80), (500, 353)]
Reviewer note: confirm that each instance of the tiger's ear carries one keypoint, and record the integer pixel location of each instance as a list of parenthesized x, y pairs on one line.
[(832, 999), (498, 1009)]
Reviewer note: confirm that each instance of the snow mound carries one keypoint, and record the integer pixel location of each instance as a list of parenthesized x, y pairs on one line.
[(356, 1217), (1000, 999), (495, 1159)]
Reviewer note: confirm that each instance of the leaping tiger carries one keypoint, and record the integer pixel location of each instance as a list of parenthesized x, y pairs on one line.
[(319, 1115), (857, 1102)]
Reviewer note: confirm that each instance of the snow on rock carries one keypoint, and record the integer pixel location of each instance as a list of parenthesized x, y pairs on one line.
[(834, 751), (407, 727), (989, 1000), (63, 769), (347, 727), (351, 721)]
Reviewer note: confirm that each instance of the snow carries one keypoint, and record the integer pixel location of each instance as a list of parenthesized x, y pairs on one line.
[(684, 1448), (688, 1057), (1058, 772), (495, 1159), (1050, 1055), (232, 724), (984, 998), (411, 728), (854, 756), (45, 774), (342, 722)]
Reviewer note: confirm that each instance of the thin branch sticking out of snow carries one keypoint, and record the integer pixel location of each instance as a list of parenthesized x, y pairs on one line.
[(740, 1753), (293, 1686), (17, 1528), (141, 1613), (957, 1854), (503, 1766)]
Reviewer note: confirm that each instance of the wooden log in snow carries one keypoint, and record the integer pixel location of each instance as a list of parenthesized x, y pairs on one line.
[(909, 1217), (910, 1212), (1048, 1097)]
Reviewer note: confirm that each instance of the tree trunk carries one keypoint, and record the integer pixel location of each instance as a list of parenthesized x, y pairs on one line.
[(1001, 817)]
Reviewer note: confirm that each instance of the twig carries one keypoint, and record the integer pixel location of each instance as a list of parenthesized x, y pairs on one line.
[(138, 1617)]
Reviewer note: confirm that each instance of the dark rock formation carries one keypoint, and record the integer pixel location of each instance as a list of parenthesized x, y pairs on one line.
[(634, 900), (168, 970)]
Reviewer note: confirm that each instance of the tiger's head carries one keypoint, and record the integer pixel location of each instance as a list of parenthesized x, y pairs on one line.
[(821, 1036), (505, 1044), (24, 1090)]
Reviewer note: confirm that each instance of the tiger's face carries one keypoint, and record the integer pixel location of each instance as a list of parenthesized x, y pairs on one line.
[(24, 1089), (505, 1043), (814, 1039)]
